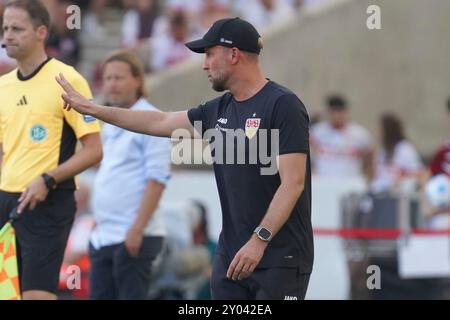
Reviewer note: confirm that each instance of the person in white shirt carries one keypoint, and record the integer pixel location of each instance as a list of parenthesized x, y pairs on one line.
[(169, 49), (398, 166), (264, 13), (129, 232), (340, 148), (138, 22)]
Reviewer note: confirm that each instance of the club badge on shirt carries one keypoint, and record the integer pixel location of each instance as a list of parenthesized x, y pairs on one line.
[(251, 127)]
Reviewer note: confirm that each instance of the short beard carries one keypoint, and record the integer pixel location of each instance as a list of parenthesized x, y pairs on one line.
[(220, 84)]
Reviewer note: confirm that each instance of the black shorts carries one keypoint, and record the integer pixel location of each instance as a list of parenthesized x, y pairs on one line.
[(41, 237), (263, 284)]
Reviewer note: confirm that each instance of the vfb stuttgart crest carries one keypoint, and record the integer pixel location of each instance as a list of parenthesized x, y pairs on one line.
[(251, 127)]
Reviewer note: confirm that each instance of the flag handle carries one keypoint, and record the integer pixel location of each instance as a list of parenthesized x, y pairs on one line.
[(13, 215)]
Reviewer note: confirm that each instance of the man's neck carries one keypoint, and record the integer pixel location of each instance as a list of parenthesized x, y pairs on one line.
[(28, 65), (248, 85), (338, 126), (129, 104)]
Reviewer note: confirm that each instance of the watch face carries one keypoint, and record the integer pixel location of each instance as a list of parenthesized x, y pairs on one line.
[(264, 233)]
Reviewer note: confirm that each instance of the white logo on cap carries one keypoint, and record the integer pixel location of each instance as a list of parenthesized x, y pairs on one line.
[(226, 41)]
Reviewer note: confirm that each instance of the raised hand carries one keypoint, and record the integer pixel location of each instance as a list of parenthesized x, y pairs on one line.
[(73, 99)]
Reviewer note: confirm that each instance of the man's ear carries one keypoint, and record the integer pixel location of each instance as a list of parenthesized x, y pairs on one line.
[(235, 55), (42, 32)]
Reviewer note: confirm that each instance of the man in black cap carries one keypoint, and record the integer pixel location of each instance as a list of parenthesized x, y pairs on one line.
[(265, 249)]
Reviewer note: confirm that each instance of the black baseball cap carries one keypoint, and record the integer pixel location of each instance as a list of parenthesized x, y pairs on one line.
[(232, 33)]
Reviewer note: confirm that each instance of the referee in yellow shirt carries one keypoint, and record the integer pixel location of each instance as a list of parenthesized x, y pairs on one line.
[(38, 139)]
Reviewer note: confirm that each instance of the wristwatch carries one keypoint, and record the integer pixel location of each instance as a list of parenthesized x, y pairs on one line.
[(50, 182), (263, 234)]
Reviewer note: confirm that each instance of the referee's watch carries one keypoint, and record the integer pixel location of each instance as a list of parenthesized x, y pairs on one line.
[(50, 182), (264, 234)]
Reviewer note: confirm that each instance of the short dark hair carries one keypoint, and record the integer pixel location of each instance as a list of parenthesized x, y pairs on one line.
[(336, 102), (38, 13), (179, 19), (393, 132)]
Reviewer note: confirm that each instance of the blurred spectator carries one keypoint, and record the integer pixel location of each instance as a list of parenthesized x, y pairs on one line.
[(138, 23), (169, 49), (398, 166), (315, 118), (312, 3), (76, 253), (185, 269), (62, 42), (193, 7), (129, 233), (340, 148), (93, 23), (201, 238), (128, 4), (441, 160), (439, 165), (264, 13), (6, 63), (210, 12), (295, 4)]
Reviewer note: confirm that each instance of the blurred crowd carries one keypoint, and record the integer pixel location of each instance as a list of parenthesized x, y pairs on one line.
[(390, 162), (156, 29)]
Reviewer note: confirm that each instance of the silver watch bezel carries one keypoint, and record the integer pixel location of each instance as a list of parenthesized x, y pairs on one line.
[(258, 230)]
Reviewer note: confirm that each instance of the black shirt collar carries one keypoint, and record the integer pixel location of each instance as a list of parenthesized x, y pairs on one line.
[(35, 72)]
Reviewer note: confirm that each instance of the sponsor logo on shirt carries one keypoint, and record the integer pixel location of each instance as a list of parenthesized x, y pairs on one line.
[(290, 298), (38, 133), (222, 121), (218, 127), (23, 101), (251, 127), (88, 119)]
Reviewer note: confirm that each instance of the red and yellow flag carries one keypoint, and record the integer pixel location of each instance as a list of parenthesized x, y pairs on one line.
[(9, 276)]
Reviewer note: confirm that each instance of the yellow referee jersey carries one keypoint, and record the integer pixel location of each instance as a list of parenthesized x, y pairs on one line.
[(36, 133)]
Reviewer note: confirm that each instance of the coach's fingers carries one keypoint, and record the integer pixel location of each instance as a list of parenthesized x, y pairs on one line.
[(66, 99), (65, 85), (63, 82), (238, 270), (246, 271), (232, 266)]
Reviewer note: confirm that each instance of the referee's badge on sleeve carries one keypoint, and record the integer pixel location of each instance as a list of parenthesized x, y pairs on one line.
[(251, 127), (88, 118)]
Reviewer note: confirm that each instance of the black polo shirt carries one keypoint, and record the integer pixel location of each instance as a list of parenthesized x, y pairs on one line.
[(245, 192)]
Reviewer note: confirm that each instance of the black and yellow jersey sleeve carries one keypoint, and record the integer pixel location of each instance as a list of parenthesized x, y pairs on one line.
[(36, 133), (81, 124)]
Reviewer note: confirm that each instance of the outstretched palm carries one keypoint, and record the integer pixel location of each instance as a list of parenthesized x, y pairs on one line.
[(73, 99)]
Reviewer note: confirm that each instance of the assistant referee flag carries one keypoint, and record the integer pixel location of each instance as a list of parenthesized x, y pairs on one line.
[(9, 276)]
